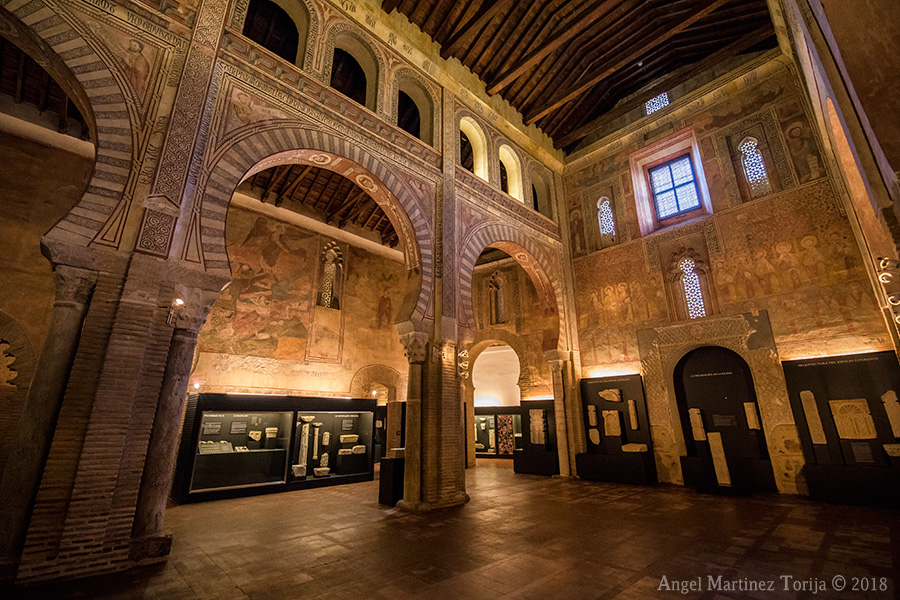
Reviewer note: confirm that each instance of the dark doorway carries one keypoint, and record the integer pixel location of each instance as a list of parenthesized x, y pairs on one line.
[(726, 447)]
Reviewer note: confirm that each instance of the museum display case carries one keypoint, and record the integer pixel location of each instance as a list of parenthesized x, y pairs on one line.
[(237, 445), (848, 418), (619, 446)]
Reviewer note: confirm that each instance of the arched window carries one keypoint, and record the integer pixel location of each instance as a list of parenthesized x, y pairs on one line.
[(754, 168), (478, 143), (606, 222), (415, 111), (509, 162), (354, 71), (272, 27), (465, 152), (408, 117), (330, 280), (497, 301), (504, 178), (693, 293), (541, 193)]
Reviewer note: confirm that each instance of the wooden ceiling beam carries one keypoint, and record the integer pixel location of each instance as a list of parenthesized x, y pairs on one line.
[(290, 188), (497, 33), (44, 94), (332, 177), (667, 83), (488, 10), (614, 64), (347, 205), (351, 217), (389, 5), (20, 78), (569, 30), (277, 177)]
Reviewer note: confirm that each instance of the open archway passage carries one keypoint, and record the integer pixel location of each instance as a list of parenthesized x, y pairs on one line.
[(408, 117), (726, 448)]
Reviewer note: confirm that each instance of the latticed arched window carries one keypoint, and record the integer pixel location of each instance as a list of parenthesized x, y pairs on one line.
[(754, 168), (654, 104), (607, 222), (693, 293), (497, 301), (330, 281)]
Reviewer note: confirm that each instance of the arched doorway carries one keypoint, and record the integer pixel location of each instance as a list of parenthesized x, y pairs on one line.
[(726, 448), (498, 424)]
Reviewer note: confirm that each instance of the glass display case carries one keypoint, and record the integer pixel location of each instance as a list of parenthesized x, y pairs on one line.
[(498, 431), (237, 445)]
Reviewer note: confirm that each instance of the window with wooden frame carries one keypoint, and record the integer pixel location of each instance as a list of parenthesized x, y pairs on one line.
[(673, 185), (669, 183)]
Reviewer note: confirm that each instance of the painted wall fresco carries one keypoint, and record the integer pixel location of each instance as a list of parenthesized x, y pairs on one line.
[(791, 253), (266, 330), (525, 325)]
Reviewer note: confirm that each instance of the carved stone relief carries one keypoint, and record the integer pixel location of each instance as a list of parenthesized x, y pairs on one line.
[(853, 419)]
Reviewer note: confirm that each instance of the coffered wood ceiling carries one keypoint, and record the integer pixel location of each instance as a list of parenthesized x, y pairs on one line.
[(567, 64)]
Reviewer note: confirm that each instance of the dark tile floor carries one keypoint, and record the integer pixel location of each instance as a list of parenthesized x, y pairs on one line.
[(521, 536)]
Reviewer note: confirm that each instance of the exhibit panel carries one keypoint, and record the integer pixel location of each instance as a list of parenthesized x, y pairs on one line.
[(848, 418), (725, 445), (498, 431), (283, 443), (619, 446), (537, 454)]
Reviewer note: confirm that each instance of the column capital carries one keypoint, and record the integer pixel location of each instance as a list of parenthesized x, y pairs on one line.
[(414, 346), (73, 285), (190, 314), (555, 358)]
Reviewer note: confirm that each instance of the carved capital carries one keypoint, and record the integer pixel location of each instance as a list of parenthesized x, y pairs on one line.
[(196, 304), (73, 285), (414, 345)]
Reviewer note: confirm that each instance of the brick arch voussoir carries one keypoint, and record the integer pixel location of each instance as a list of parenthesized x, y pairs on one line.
[(247, 154), (76, 65)]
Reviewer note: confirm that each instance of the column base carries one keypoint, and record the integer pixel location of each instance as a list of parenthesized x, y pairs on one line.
[(150, 549), (422, 507)]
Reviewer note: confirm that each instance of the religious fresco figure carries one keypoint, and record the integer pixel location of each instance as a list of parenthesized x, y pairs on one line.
[(384, 314), (137, 66)]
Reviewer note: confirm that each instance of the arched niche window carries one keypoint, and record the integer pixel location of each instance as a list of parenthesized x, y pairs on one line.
[(606, 222), (354, 71), (540, 190), (415, 113), (510, 163), (478, 143), (504, 178), (465, 152), (331, 276), (497, 301), (280, 26), (754, 168), (690, 287)]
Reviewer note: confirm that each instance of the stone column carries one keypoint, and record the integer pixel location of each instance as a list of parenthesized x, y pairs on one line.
[(148, 541), (468, 398), (415, 344), (22, 475), (557, 364)]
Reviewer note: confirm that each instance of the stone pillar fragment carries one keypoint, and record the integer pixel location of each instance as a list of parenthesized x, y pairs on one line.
[(559, 409), (22, 475), (415, 344)]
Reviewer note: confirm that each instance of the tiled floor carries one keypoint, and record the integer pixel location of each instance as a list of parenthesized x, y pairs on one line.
[(521, 536)]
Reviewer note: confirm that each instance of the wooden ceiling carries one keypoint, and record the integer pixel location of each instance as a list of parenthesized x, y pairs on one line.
[(326, 195), (26, 81), (566, 64)]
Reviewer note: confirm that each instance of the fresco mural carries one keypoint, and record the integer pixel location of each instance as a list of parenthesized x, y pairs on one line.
[(265, 330)]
